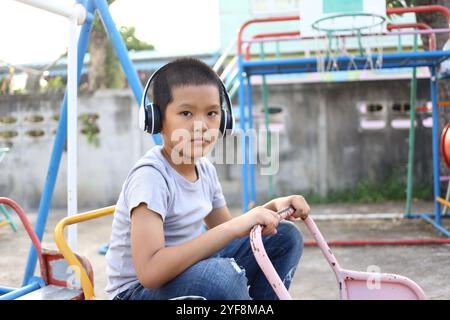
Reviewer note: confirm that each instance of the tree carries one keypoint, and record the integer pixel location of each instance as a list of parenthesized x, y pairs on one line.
[(104, 69), (433, 19)]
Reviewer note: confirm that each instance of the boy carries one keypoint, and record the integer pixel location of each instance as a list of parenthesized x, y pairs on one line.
[(158, 249)]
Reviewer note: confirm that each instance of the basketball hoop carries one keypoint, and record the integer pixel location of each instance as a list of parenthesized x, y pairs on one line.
[(359, 21), (338, 29)]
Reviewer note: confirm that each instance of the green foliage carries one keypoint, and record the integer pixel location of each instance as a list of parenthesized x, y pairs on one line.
[(367, 191), (90, 128), (55, 84), (399, 3), (114, 76), (131, 42)]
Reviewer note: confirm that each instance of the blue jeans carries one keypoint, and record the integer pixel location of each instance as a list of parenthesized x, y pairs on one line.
[(231, 273)]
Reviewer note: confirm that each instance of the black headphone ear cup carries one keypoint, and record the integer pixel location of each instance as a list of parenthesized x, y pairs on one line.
[(229, 121), (222, 122), (226, 122), (157, 120)]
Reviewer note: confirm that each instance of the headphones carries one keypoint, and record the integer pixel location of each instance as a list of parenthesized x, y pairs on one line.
[(150, 117)]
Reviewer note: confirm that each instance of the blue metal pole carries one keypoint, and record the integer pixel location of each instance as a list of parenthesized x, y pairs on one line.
[(251, 146), (435, 133), (21, 291), (444, 231), (122, 55), (4, 289), (241, 95), (58, 148)]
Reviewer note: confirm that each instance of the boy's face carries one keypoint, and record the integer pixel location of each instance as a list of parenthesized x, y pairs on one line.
[(191, 122)]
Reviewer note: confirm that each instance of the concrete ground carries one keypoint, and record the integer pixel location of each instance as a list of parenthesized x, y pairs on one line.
[(426, 265)]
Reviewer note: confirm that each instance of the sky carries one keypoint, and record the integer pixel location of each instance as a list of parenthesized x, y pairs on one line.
[(172, 26)]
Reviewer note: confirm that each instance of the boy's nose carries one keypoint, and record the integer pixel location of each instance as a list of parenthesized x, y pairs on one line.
[(200, 125)]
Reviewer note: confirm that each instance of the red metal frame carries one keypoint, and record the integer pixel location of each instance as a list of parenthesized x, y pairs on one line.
[(429, 8), (270, 35), (389, 11), (381, 242), (254, 21), (34, 239)]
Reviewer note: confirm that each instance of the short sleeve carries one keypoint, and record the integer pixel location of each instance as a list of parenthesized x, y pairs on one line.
[(218, 199), (147, 185)]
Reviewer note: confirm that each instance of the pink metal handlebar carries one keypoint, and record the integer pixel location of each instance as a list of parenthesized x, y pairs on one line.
[(352, 284), (266, 265), (264, 261)]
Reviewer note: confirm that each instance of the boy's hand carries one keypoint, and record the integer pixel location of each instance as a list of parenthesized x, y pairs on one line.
[(297, 202), (243, 224)]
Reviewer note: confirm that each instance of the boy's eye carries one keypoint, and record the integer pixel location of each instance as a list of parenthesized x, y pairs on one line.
[(185, 113), (213, 113)]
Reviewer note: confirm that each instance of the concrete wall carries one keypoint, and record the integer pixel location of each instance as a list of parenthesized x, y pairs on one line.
[(101, 170), (322, 146)]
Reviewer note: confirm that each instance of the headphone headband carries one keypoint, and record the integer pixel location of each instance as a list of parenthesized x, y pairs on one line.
[(143, 110)]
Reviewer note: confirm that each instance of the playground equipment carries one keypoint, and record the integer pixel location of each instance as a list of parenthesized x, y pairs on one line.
[(81, 13), (445, 151), (338, 59), (64, 275), (69, 255), (353, 285), (56, 282), (245, 68)]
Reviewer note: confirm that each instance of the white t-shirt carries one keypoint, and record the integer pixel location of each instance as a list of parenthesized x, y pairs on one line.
[(182, 205)]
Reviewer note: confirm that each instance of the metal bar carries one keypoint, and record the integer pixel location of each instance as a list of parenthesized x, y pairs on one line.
[(435, 137), (31, 234), (241, 95), (4, 289), (412, 129), (260, 71), (274, 36), (444, 231), (224, 56), (251, 145), (58, 148), (21, 291), (419, 215), (263, 20), (265, 98), (429, 8), (429, 56), (69, 256), (348, 35), (61, 8), (431, 39), (72, 131), (122, 55), (381, 242)]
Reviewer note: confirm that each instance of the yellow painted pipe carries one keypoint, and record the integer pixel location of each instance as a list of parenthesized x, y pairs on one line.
[(3, 223), (69, 256), (443, 201)]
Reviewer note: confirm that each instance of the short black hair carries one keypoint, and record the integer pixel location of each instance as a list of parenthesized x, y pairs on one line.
[(182, 72)]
